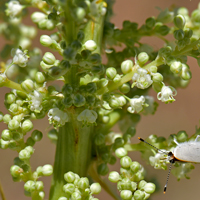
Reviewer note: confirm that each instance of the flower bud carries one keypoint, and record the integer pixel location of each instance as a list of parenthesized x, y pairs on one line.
[(69, 188), (114, 177), (143, 57), (39, 185), (126, 66), (76, 196), (90, 45), (30, 141), (153, 69), (150, 22), (47, 170), (69, 53), (49, 58), (50, 25), (76, 45), (4, 144), (26, 126), (6, 118), (111, 72), (13, 125), (139, 195), (29, 186), (10, 98), (99, 139), (102, 169), (157, 77), (80, 35), (149, 188), (179, 21), (126, 194), (188, 32), (80, 13), (6, 135), (46, 41), (38, 16), (125, 88), (121, 152), (141, 184), (83, 183), (15, 171), (79, 100), (179, 34), (24, 154), (53, 135), (186, 73), (69, 177), (176, 67), (40, 77), (62, 198), (95, 188), (182, 136), (125, 161), (27, 85), (1, 116), (67, 101), (161, 29), (135, 166), (36, 135)]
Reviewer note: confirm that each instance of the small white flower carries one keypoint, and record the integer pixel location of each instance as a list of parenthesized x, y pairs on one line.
[(35, 101), (166, 94), (14, 8), (142, 79), (19, 58), (87, 116), (57, 117), (159, 161), (136, 104)]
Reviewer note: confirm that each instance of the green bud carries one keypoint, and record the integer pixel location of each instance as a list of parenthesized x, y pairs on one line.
[(91, 87), (114, 177), (49, 58), (150, 22), (27, 85), (121, 152), (36, 135), (95, 188), (126, 194), (4, 144), (67, 89), (47, 170), (67, 101), (26, 126), (143, 57), (1, 116), (39, 186), (179, 21), (69, 188), (13, 125), (157, 77), (90, 45), (46, 41), (80, 13), (83, 183), (77, 178), (133, 186), (76, 45), (95, 59), (43, 24), (125, 161), (69, 53), (6, 118), (29, 186), (50, 25), (126, 66), (111, 72), (125, 88), (25, 154), (44, 66), (98, 69), (79, 100), (39, 171), (119, 142), (176, 67), (139, 176), (6, 135), (161, 29), (149, 188), (41, 194), (141, 184), (182, 136), (102, 169), (153, 69), (69, 177), (131, 131), (179, 34), (16, 171), (139, 195), (188, 32), (99, 139), (135, 166), (76, 196), (14, 108), (10, 98), (157, 86), (186, 73), (30, 141), (17, 136), (63, 198), (80, 35)]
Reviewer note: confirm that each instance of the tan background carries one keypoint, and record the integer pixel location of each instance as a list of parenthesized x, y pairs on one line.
[(183, 114)]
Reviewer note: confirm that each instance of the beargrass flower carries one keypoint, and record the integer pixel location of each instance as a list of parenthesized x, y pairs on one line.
[(87, 116), (19, 57), (136, 104), (35, 101), (166, 94), (141, 79), (14, 8), (159, 161), (57, 117)]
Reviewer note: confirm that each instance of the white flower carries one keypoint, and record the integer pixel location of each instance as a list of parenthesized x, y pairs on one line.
[(136, 104), (166, 94), (159, 161), (14, 8), (19, 58), (57, 117), (90, 45), (142, 79), (35, 101), (87, 116)]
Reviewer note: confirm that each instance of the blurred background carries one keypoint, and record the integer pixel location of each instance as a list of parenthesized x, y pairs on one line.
[(183, 114)]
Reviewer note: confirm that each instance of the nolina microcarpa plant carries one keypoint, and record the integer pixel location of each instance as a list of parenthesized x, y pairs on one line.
[(94, 96)]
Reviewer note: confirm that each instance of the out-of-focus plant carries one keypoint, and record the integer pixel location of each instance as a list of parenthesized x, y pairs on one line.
[(94, 96)]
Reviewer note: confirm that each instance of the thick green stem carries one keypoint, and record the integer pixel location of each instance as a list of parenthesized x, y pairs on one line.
[(73, 153)]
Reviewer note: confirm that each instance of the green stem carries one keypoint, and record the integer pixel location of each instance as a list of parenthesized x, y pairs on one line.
[(73, 152), (2, 193)]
